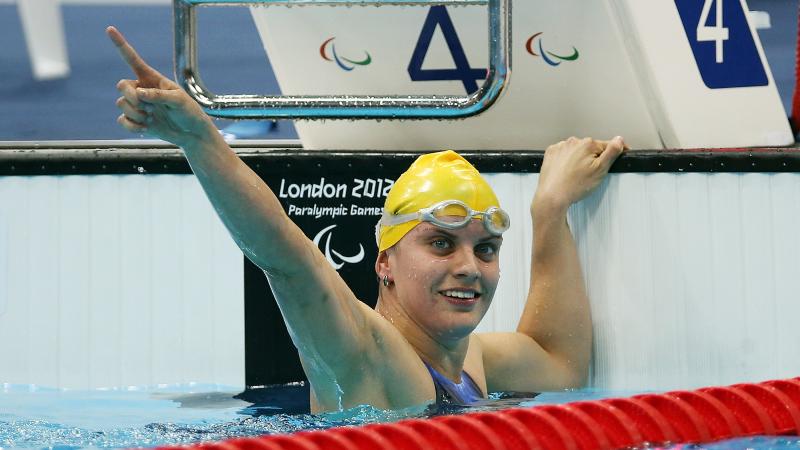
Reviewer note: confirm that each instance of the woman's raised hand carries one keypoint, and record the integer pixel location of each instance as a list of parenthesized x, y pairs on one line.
[(156, 105), (573, 168)]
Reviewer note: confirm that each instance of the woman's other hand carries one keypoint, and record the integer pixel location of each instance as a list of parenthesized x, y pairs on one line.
[(572, 169), (156, 105)]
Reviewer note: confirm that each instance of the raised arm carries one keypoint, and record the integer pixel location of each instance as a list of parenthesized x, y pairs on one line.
[(306, 286), (552, 346)]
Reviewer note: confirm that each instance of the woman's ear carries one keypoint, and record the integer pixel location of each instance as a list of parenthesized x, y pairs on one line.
[(382, 265)]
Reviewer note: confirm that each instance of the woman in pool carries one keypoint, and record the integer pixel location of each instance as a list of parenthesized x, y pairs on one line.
[(437, 264)]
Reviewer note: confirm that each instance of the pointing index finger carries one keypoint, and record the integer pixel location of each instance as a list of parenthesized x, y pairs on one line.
[(136, 63)]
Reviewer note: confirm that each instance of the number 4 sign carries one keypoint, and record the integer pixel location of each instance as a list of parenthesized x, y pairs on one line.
[(722, 43), (438, 16)]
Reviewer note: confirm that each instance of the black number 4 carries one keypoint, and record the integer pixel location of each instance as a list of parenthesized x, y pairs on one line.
[(462, 72)]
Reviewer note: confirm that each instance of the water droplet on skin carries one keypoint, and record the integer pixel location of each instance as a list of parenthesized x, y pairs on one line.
[(340, 395)]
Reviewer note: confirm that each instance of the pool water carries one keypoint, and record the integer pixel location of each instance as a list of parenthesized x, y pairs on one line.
[(757, 442), (36, 417)]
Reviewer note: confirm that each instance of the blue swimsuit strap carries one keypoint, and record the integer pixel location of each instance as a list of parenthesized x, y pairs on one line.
[(466, 392)]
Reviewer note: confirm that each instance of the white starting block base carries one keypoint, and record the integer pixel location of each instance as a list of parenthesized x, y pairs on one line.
[(643, 70), (44, 37)]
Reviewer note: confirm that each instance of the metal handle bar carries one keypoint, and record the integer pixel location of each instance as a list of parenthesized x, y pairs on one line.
[(344, 106)]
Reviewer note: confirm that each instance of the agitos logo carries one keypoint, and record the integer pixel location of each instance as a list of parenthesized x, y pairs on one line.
[(341, 61), (550, 58), (336, 259)]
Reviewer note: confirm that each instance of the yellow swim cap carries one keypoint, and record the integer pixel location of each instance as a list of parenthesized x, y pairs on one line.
[(433, 178)]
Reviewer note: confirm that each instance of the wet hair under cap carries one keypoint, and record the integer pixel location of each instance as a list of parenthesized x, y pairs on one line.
[(432, 178)]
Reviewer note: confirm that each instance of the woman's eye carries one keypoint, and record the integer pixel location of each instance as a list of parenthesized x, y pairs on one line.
[(485, 249), (440, 244)]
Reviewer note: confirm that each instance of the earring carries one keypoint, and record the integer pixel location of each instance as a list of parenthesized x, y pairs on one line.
[(386, 280)]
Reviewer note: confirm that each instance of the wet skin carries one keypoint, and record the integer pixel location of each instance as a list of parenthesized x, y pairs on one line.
[(445, 279)]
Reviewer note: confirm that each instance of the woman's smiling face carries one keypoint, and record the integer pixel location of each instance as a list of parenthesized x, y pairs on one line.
[(445, 279)]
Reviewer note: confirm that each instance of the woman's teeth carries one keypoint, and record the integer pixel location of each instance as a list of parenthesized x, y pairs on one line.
[(460, 294)]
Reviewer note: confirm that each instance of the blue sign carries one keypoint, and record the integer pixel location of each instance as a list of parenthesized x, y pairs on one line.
[(462, 72), (722, 43)]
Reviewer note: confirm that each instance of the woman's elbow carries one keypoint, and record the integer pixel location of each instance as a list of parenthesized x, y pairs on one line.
[(575, 375)]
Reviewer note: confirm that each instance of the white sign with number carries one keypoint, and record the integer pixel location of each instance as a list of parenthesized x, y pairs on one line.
[(661, 73)]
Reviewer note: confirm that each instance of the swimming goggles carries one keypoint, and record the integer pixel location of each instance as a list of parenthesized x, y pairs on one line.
[(452, 215)]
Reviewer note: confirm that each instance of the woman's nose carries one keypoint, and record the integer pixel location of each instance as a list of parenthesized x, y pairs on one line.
[(466, 264)]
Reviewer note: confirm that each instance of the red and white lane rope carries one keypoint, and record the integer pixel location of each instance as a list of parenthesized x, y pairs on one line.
[(700, 416)]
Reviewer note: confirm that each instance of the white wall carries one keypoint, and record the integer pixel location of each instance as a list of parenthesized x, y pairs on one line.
[(694, 278), (131, 280), (115, 281)]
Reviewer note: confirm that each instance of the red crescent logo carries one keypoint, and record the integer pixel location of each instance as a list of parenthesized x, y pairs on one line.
[(528, 44), (322, 50)]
